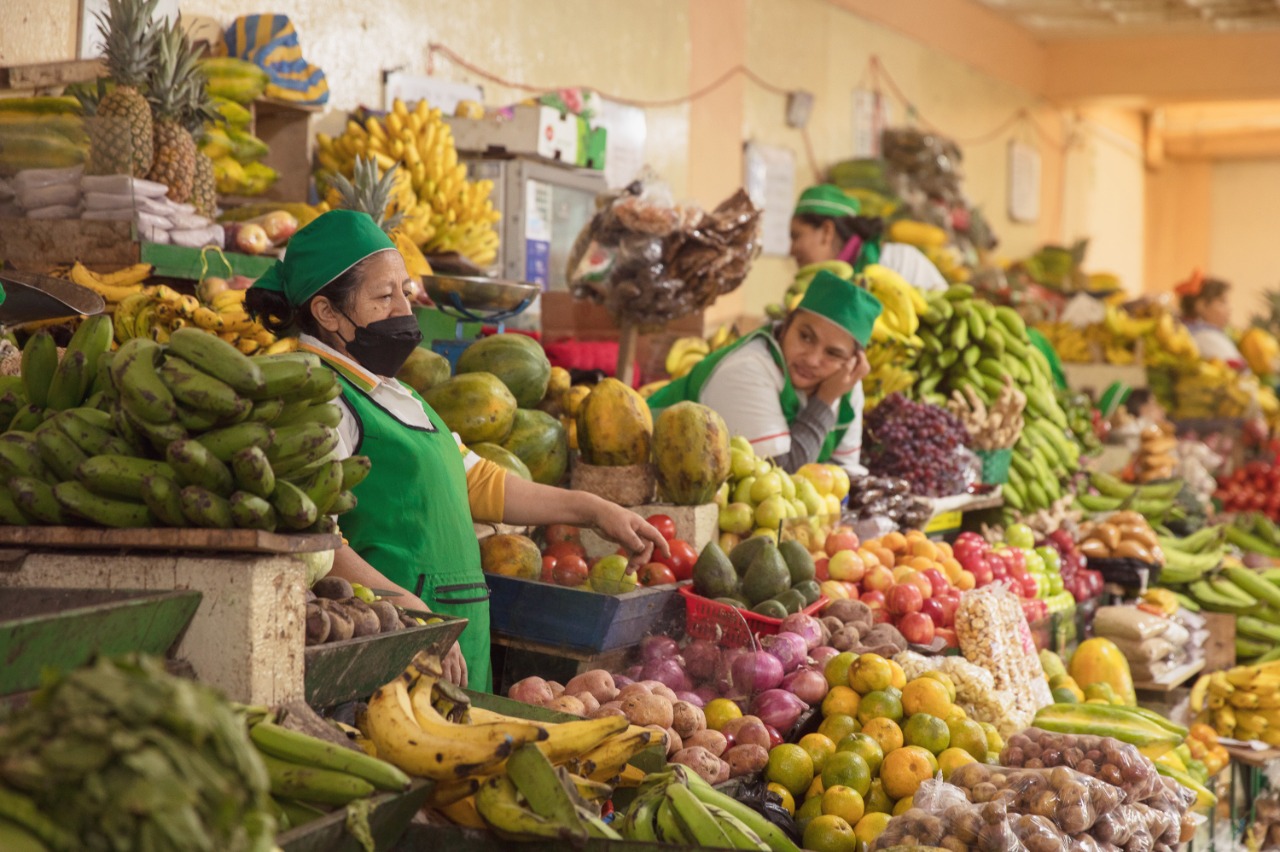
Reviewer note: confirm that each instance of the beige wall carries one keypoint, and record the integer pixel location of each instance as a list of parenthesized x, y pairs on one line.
[(1244, 207), (38, 30)]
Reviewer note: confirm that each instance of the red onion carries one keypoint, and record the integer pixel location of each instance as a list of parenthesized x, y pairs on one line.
[(819, 655), (778, 708), (807, 685), (804, 626), (724, 670), (633, 673), (700, 658), (707, 693), (668, 673), (755, 671), (692, 697), (620, 681), (658, 647), (789, 648)]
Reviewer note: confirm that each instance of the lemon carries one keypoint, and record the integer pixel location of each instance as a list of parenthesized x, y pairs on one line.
[(820, 747), (950, 759), (720, 711), (870, 673), (870, 827), (928, 732), (844, 768)]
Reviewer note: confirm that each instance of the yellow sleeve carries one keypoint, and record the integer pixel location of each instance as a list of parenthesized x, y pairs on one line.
[(486, 491)]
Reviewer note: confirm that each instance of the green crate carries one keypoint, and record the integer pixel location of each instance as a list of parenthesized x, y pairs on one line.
[(995, 465)]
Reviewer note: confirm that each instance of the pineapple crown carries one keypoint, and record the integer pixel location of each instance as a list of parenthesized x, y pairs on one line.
[(177, 91), (129, 33), (367, 193)]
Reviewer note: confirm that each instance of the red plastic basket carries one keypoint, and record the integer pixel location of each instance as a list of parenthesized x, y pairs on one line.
[(728, 625)]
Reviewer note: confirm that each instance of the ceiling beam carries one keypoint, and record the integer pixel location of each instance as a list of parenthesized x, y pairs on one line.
[(1238, 145)]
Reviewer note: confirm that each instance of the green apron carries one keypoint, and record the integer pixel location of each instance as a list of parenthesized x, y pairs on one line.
[(412, 520), (688, 388)]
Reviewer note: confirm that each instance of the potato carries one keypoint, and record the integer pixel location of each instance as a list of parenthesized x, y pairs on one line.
[(630, 690), (687, 719), (674, 742), (722, 772), (701, 761), (567, 704), (745, 759), (333, 588), (598, 682), (610, 709), (341, 627), (661, 689), (648, 710), (589, 703), (556, 689), (712, 741), (317, 624), (830, 626), (532, 690), (846, 638)]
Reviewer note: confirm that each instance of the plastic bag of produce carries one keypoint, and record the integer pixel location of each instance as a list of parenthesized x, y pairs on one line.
[(1135, 827), (983, 828), (976, 692), (1145, 650), (32, 179), (1128, 622), (123, 185), (1107, 759), (993, 630), (1071, 800), (47, 195)]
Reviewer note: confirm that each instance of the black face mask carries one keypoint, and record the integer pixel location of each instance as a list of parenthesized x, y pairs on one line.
[(385, 345)]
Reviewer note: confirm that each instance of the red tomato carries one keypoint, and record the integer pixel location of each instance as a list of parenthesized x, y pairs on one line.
[(680, 561), (561, 549), (656, 574), (570, 570), (664, 525), (563, 532), (548, 569)]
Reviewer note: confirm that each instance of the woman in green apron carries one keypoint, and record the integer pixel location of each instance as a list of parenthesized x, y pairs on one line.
[(342, 288), (794, 391)]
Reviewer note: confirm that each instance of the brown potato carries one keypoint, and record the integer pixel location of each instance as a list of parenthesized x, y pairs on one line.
[(341, 627), (589, 703), (701, 761), (712, 741), (568, 704), (648, 710), (687, 719), (745, 759)]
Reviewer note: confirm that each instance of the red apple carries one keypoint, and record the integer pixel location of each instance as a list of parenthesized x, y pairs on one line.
[(841, 540), (1014, 557), (548, 567), (950, 603), (904, 598), (846, 565), (938, 581), (922, 583), (877, 579), (820, 570), (775, 738), (880, 616), (948, 635), (936, 612), (917, 628), (982, 577), (873, 598)]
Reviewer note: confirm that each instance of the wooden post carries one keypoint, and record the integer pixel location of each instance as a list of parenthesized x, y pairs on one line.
[(627, 352)]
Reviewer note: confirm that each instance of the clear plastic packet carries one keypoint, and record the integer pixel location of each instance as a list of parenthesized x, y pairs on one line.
[(976, 692), (1128, 622), (992, 629), (961, 827), (1071, 800), (1137, 828), (1147, 650), (1104, 758)]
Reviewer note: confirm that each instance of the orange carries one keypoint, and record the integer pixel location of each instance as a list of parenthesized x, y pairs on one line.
[(866, 746), (870, 827), (844, 768), (839, 726), (899, 679), (926, 695), (868, 557), (788, 801), (810, 810), (790, 766), (885, 732), (815, 789), (928, 732), (878, 801), (836, 670), (820, 747), (844, 802), (719, 711), (894, 541), (903, 805), (828, 833), (968, 735), (952, 758), (944, 548), (964, 581), (879, 705), (955, 713), (995, 742), (1204, 733), (885, 557), (922, 563), (841, 699), (904, 770), (868, 673), (944, 679)]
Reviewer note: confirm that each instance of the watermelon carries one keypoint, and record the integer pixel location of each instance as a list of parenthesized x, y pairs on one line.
[(539, 440), (476, 405), (516, 359), (502, 457)]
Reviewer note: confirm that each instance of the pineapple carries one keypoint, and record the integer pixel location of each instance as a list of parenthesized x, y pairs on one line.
[(178, 96), (366, 192), (204, 192), (121, 132)]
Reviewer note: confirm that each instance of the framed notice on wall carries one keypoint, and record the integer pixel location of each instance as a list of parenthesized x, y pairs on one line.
[(1024, 182), (769, 177)]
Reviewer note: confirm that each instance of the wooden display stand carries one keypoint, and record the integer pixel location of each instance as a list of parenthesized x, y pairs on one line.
[(286, 128)]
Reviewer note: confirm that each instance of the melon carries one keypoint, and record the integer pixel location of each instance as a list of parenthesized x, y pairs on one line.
[(423, 370), (477, 406), (516, 359), (503, 458), (615, 426), (691, 449), (539, 440)]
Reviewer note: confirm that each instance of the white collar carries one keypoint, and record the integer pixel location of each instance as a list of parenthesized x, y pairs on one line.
[(346, 360)]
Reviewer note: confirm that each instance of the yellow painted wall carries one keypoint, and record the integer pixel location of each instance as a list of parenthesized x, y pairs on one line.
[(1244, 206)]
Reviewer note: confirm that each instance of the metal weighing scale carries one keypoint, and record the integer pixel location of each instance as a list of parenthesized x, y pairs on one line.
[(32, 298), (482, 300)]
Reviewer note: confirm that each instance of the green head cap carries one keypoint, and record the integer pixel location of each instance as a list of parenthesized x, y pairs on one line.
[(1116, 395), (323, 250), (843, 303), (827, 200)]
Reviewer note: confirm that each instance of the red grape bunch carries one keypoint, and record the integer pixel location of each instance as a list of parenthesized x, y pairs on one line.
[(917, 442)]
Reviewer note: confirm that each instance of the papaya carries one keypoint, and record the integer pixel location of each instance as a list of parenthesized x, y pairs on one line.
[(615, 426), (475, 405), (511, 556), (516, 359), (1098, 660), (691, 448), (538, 440), (424, 369), (503, 458)]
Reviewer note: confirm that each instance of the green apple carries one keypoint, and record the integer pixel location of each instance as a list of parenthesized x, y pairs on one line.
[(741, 464), (742, 445), (722, 495), (771, 511), (737, 518), (609, 575), (763, 466), (788, 485), (765, 486), (765, 532), (1055, 583), (1020, 535), (742, 491), (801, 508), (1052, 558), (1034, 562)]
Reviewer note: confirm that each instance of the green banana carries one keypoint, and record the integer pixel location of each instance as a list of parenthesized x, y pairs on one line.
[(93, 337), (1248, 542), (300, 468), (286, 744), (772, 836), (79, 500), (293, 507), (354, 470), (282, 374), (9, 511), (696, 821), (267, 410), (119, 475), (195, 465), (19, 810), (26, 418), (102, 381), (91, 431), (70, 380), (308, 783), (320, 386), (141, 389), (543, 788), (219, 359), (253, 472), (36, 500), (344, 502), (326, 483), (163, 498), (204, 508), (224, 443), (1012, 321), (306, 439), (20, 456), (195, 420), (59, 452), (251, 512), (39, 361), (1256, 628), (1246, 648), (326, 413), (196, 388), (1187, 602), (1253, 585)]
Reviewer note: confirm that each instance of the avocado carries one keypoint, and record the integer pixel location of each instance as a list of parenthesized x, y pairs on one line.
[(733, 602), (713, 574), (767, 576), (798, 560), (810, 589), (745, 551), (792, 599), (770, 608)]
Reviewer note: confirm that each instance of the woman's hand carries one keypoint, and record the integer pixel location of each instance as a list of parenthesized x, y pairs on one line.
[(455, 666), (629, 530), (845, 378)]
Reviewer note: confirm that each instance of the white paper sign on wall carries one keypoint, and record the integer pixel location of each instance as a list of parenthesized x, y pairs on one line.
[(627, 131), (769, 177), (870, 118), (1024, 182), (91, 42)]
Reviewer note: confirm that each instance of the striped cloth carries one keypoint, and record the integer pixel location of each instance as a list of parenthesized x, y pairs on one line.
[(271, 42)]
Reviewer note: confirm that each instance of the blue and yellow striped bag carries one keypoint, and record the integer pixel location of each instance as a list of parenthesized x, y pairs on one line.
[(271, 42)]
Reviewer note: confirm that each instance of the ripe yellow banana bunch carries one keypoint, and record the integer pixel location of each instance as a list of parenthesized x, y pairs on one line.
[(1072, 344), (685, 354), (1173, 341), (113, 287), (902, 303), (156, 312), (1125, 328)]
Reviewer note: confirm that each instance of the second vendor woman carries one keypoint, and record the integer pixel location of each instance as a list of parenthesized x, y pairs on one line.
[(794, 390), (343, 287)]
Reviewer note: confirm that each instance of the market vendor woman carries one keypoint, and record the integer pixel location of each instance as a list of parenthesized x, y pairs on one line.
[(794, 390), (342, 286), (1205, 311)]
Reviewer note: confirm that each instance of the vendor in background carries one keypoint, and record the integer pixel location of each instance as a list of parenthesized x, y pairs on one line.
[(1205, 311), (827, 225), (342, 288), (793, 390)]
